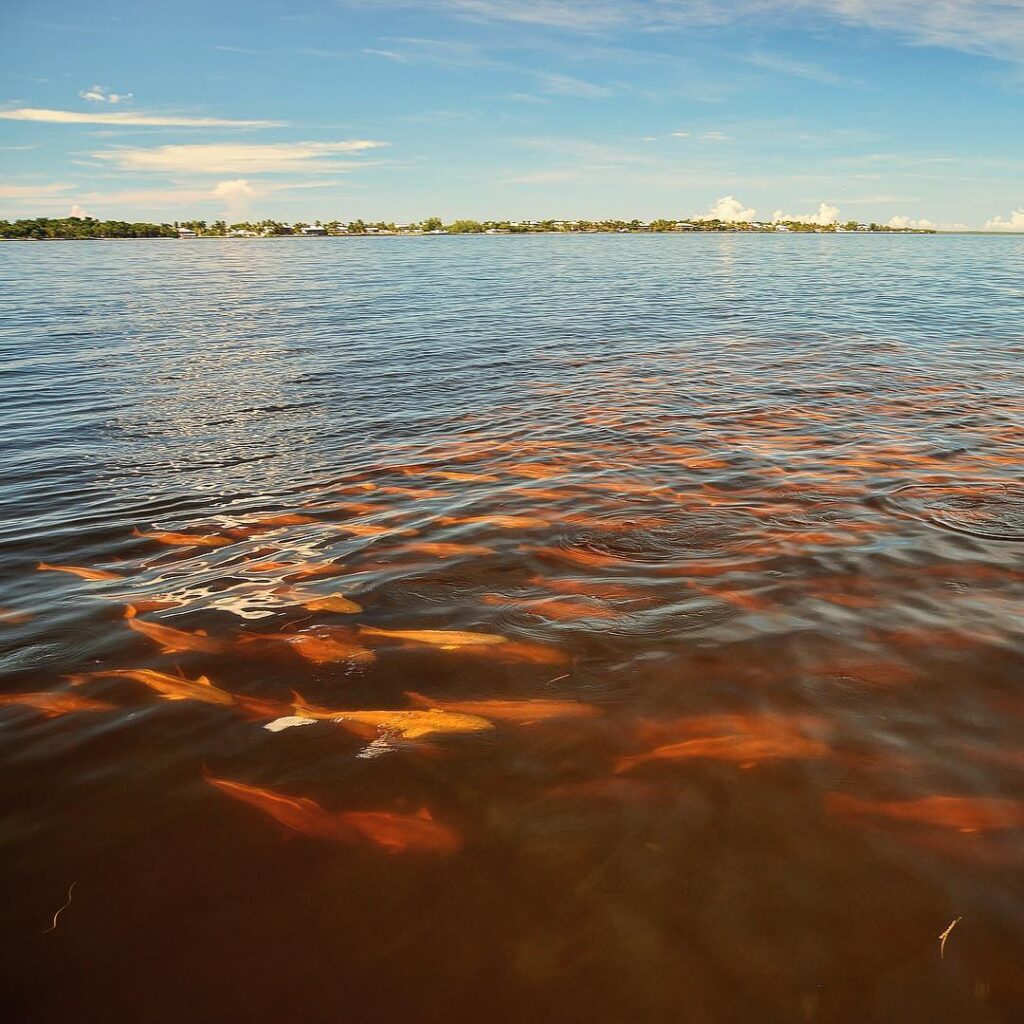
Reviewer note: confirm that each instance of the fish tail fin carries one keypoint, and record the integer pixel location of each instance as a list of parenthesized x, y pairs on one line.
[(78, 678), (136, 532), (419, 699), (130, 611)]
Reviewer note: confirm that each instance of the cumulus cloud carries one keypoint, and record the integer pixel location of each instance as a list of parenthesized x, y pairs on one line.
[(826, 215), (1014, 223), (236, 195), (730, 210), (909, 222), (230, 158), (125, 118), (77, 211), (101, 94)]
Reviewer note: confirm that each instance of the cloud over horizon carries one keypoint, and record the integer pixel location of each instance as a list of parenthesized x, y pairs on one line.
[(128, 118)]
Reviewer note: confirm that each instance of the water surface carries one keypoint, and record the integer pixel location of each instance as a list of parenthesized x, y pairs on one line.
[(748, 508)]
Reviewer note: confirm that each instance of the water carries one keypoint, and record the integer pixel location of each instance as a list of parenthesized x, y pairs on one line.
[(750, 509)]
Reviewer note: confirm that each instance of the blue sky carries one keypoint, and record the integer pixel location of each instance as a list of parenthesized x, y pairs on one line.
[(383, 109)]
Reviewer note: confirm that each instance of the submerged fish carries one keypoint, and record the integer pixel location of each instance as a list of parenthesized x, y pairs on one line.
[(444, 638), (331, 603), (962, 813), (168, 686), (394, 832), (185, 539), (410, 724), (77, 570), (746, 740), (524, 712), (54, 704), (442, 549), (322, 646), (503, 522), (172, 640)]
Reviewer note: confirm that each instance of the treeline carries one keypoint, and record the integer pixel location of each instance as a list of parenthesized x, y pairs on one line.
[(83, 227), (90, 227)]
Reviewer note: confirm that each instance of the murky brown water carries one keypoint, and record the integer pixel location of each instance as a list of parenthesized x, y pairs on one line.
[(513, 629)]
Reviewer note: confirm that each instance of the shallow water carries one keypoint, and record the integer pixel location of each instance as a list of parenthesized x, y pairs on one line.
[(750, 508)]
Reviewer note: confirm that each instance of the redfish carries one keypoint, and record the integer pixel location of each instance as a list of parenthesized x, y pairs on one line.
[(964, 814), (321, 646), (330, 603), (185, 539), (410, 724), (77, 570), (172, 640), (444, 638), (54, 704), (525, 712), (502, 522), (168, 686), (394, 832), (440, 549)]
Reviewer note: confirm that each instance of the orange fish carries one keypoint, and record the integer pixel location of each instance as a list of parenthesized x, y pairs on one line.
[(747, 740), (75, 570), (172, 640), (444, 638), (185, 539), (446, 550), (503, 522), (322, 646), (576, 556), (414, 492), (373, 529), (525, 712), (461, 477), (410, 724), (330, 603), (54, 704), (168, 686), (964, 814), (518, 650), (394, 832)]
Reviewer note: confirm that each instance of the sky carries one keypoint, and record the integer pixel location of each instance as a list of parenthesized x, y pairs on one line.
[(907, 112)]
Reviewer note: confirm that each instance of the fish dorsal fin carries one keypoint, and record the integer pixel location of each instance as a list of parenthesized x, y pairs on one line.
[(204, 681), (201, 632), (129, 611), (424, 813), (419, 699), (136, 532)]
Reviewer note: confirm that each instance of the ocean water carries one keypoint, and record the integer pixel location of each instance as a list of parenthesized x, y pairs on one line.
[(697, 560)]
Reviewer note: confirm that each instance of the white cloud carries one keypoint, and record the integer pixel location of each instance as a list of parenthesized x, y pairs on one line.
[(564, 85), (680, 135), (237, 196), (229, 158), (730, 210), (909, 222), (77, 211), (1015, 222), (101, 94), (826, 215), (125, 118), (31, 191), (991, 27)]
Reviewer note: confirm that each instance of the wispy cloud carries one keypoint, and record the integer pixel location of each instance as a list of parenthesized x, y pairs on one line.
[(564, 85), (128, 118), (786, 66), (22, 192), (231, 158), (101, 94), (991, 27)]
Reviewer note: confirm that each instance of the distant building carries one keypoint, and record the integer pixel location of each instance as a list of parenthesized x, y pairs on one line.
[(186, 233), (314, 229)]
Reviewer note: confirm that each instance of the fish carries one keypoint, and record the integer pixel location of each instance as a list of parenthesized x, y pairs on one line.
[(446, 550), (575, 556), (462, 478), (444, 638), (394, 832), (960, 813), (409, 724), (77, 570), (302, 570), (525, 712), (414, 492), (185, 539), (373, 529), (170, 639), (747, 740), (321, 646), (331, 603), (502, 522), (54, 704), (168, 686)]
